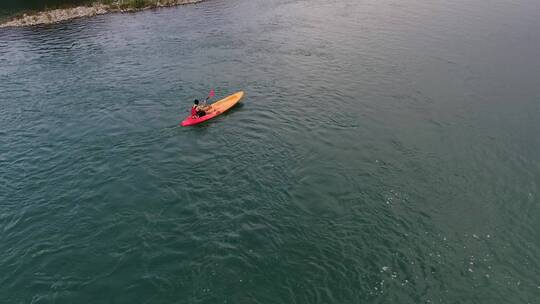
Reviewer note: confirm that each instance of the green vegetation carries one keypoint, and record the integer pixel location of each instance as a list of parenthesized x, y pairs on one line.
[(138, 4)]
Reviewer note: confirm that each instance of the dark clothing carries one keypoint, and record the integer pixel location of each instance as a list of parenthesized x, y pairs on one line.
[(195, 112)]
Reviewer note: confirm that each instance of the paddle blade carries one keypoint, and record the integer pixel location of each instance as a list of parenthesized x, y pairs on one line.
[(211, 94)]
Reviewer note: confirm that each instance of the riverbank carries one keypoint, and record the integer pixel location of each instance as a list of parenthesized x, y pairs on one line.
[(97, 8)]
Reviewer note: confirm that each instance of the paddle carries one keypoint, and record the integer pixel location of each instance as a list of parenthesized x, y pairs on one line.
[(210, 95)]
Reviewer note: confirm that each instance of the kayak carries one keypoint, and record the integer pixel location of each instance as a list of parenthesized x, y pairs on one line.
[(215, 109)]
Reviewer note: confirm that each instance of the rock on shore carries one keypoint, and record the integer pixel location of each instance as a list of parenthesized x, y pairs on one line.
[(57, 15)]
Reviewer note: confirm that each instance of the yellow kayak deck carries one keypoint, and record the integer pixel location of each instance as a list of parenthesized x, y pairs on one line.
[(225, 103)]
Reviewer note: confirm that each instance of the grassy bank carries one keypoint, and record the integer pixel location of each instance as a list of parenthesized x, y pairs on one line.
[(140, 4)]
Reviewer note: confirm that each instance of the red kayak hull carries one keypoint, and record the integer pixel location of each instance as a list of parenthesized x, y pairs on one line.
[(190, 121)]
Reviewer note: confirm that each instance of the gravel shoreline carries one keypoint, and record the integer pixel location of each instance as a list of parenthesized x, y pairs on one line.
[(64, 14)]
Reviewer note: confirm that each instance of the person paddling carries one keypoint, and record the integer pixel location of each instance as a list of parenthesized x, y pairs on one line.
[(201, 110), (197, 110)]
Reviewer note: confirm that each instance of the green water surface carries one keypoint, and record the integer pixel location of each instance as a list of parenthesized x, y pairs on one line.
[(385, 152)]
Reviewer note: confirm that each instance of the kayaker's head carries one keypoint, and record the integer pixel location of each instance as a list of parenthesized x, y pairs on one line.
[(196, 101)]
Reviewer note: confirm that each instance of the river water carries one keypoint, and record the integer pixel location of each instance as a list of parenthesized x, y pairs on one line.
[(385, 152)]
